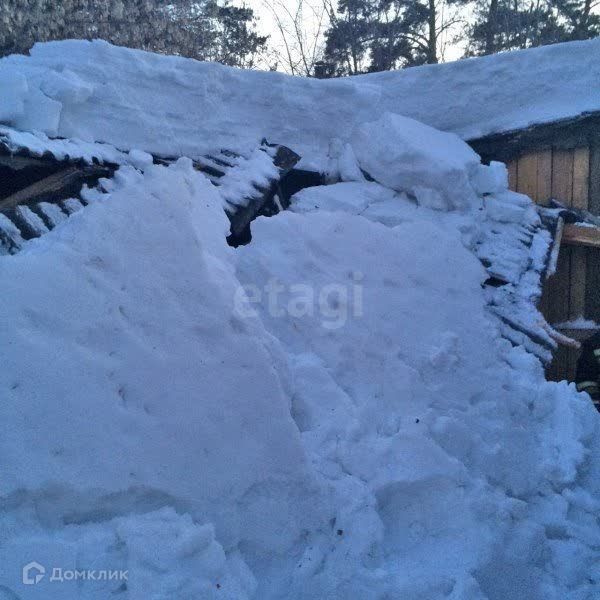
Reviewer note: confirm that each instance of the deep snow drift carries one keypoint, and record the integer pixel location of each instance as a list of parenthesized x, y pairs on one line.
[(174, 106), (331, 412), (327, 413)]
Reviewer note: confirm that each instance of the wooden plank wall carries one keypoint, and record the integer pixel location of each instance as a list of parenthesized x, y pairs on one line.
[(571, 176)]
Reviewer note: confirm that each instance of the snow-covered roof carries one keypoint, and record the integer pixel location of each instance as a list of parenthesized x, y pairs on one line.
[(172, 106)]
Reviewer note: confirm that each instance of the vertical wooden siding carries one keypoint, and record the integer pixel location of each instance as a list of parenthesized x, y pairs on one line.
[(564, 175)]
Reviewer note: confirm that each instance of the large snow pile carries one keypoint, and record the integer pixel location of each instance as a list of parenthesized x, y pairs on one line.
[(327, 413), (173, 106)]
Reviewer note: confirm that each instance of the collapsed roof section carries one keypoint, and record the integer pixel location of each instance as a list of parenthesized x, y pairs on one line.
[(50, 179), (134, 108), (43, 181)]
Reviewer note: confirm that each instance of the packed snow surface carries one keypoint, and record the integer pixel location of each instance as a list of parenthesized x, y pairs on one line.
[(329, 412), (173, 106)]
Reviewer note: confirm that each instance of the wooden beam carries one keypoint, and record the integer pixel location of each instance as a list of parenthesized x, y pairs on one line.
[(578, 235), (56, 186), (17, 163)]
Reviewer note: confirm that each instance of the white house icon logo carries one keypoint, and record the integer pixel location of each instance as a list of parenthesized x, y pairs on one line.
[(33, 573)]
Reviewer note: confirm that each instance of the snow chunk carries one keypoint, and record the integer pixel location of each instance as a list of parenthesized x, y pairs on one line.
[(352, 197), (491, 179), (407, 156), (13, 91), (139, 159)]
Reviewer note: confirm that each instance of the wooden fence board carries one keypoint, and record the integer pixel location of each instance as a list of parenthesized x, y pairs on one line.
[(571, 176), (558, 370), (527, 175), (578, 281), (558, 287), (581, 173), (592, 295), (544, 177), (594, 179), (512, 168), (562, 176)]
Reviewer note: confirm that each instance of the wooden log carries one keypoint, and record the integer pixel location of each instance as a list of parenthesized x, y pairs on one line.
[(65, 183)]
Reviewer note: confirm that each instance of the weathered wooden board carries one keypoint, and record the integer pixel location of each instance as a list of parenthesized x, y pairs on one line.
[(558, 290), (562, 176), (59, 184), (570, 173), (581, 174), (558, 370), (513, 170), (594, 179), (577, 286), (592, 293), (527, 175), (578, 235), (544, 176)]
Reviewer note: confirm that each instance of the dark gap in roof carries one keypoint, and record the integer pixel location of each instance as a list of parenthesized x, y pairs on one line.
[(18, 172), (26, 181), (278, 198)]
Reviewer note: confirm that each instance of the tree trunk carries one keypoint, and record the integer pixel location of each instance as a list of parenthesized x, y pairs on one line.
[(432, 57), (491, 27)]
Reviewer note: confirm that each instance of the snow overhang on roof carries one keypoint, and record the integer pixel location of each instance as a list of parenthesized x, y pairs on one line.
[(172, 106)]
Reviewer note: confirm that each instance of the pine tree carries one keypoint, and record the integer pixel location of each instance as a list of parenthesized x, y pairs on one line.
[(381, 35), (202, 29), (516, 24)]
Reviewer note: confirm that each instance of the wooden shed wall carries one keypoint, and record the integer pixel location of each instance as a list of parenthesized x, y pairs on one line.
[(571, 176)]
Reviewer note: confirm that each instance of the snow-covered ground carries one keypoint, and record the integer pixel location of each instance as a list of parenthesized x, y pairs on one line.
[(174, 106), (330, 412)]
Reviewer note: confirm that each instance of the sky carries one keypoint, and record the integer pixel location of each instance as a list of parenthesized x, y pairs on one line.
[(271, 21), (273, 16)]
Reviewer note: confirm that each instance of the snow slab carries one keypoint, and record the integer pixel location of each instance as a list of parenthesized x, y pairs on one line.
[(174, 106)]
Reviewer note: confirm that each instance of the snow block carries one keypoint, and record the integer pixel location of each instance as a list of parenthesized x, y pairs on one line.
[(411, 157)]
